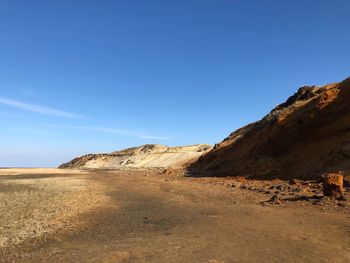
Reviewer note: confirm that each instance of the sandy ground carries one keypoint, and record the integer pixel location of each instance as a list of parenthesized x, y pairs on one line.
[(38, 171), (122, 216)]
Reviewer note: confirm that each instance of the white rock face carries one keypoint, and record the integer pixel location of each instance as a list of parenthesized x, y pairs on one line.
[(145, 156)]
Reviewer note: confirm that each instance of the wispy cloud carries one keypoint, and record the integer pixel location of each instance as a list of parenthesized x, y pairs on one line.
[(40, 109), (31, 131), (111, 130), (70, 115)]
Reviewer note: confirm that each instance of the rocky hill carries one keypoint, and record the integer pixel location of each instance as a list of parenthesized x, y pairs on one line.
[(145, 156), (301, 138)]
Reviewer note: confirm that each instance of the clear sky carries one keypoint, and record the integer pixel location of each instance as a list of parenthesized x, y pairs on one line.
[(97, 76)]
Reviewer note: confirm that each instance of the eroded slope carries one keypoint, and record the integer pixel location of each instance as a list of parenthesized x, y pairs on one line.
[(146, 156), (301, 138)]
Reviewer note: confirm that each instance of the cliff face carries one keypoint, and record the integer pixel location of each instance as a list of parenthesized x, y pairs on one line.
[(301, 138), (146, 156)]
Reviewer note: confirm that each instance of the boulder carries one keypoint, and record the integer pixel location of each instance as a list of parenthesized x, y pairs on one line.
[(332, 185)]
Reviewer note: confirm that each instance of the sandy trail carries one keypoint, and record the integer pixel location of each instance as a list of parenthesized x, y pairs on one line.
[(156, 219)]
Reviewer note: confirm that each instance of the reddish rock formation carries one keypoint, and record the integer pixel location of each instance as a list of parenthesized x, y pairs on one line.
[(332, 185), (302, 138)]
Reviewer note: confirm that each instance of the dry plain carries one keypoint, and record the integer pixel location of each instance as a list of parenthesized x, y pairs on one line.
[(54, 215)]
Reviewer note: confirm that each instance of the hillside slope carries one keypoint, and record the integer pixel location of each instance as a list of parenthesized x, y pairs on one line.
[(145, 156), (301, 138)]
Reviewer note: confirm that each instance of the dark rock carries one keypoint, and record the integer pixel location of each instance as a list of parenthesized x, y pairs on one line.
[(297, 189), (280, 187), (342, 198), (346, 180), (293, 181), (275, 199)]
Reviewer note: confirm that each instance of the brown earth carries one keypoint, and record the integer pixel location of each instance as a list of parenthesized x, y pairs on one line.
[(161, 216), (302, 138)]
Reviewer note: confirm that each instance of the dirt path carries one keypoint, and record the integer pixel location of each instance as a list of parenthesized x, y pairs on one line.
[(154, 219)]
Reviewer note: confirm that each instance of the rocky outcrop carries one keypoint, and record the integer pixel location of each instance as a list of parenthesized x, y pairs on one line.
[(302, 138), (145, 156), (332, 185)]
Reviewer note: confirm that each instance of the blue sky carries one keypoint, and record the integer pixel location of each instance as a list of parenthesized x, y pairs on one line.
[(97, 76)]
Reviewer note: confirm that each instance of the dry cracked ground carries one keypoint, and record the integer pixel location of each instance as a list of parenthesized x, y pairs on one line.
[(49, 215)]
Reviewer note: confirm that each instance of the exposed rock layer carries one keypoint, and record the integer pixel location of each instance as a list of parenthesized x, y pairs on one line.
[(146, 156), (307, 135)]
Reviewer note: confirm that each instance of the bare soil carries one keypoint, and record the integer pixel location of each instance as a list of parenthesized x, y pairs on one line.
[(156, 216)]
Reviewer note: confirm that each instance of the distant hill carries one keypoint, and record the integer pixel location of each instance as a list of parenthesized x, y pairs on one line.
[(145, 156), (301, 138)]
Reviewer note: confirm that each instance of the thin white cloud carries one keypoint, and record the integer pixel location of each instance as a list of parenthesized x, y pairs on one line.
[(40, 109), (31, 131), (111, 130)]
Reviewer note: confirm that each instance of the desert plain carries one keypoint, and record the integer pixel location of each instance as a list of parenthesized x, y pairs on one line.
[(165, 215)]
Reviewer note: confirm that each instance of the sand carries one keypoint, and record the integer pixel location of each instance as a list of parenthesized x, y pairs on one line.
[(147, 216)]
